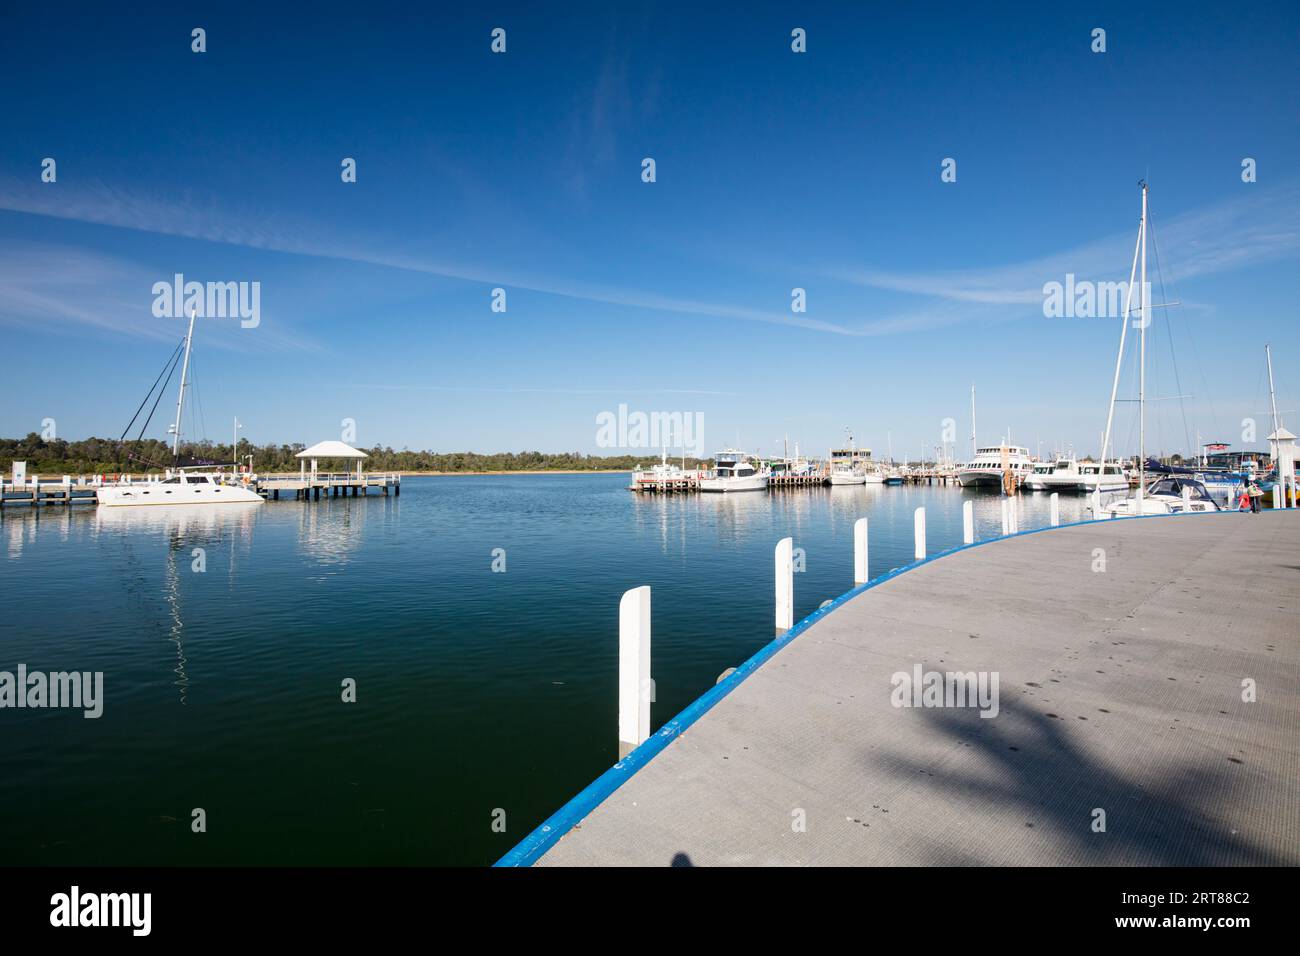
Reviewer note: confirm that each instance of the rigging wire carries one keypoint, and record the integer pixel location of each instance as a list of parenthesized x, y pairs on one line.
[(1169, 329), (171, 361), (1196, 357)]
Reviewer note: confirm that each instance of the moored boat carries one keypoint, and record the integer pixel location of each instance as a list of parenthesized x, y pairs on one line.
[(733, 471)]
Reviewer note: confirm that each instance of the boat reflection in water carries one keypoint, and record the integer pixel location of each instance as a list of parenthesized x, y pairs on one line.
[(178, 519)]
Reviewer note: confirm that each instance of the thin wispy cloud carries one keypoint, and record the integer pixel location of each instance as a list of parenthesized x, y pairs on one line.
[(108, 206), (1259, 227), (544, 391)]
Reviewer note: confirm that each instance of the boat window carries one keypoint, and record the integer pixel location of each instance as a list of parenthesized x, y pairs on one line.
[(172, 481), (196, 481)]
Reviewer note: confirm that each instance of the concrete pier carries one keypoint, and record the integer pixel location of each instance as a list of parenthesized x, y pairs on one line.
[(1148, 713)]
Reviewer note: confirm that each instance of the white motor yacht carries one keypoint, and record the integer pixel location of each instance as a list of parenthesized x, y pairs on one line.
[(1166, 496), (733, 471)]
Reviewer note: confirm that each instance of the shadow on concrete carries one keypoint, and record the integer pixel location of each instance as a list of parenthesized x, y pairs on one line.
[(1039, 778)]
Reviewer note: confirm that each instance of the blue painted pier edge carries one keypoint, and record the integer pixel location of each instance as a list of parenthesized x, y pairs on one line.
[(534, 846)]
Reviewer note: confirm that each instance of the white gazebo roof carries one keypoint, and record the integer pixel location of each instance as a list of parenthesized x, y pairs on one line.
[(331, 449), (1281, 435)]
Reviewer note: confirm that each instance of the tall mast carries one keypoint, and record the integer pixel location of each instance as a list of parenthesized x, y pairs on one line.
[(180, 398), (972, 419), (1272, 397), (1142, 361), (1123, 334)]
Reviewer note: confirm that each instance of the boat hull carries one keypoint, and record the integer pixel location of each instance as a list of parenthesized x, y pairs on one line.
[(155, 494), (726, 485), (980, 479)]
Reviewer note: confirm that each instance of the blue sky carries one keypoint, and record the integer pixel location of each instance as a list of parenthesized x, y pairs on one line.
[(775, 170)]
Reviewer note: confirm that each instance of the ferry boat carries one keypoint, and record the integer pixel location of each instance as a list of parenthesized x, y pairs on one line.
[(985, 469), (733, 471), (180, 486)]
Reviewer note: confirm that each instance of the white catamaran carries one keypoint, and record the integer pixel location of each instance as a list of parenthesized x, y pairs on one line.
[(179, 486)]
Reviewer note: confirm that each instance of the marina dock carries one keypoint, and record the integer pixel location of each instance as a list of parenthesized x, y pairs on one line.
[(1147, 713), (311, 486)]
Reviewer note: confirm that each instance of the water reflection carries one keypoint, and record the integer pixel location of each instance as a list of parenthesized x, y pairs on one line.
[(179, 521), (331, 529)]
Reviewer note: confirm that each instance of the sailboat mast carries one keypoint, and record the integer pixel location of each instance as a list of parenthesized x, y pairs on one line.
[(972, 419), (180, 397), (1272, 396), (1119, 358), (1142, 361)]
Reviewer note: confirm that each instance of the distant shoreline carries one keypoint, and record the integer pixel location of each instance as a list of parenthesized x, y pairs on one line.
[(540, 471)]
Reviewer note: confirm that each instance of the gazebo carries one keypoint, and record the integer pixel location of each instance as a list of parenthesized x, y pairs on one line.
[(329, 449)]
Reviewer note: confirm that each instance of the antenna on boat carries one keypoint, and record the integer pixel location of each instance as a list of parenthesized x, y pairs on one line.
[(180, 398)]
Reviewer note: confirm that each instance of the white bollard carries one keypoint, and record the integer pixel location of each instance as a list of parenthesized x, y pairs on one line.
[(784, 585), (1056, 509), (634, 686), (860, 551), (1006, 519), (968, 522), (1096, 504), (1187, 499), (1278, 494), (918, 525)]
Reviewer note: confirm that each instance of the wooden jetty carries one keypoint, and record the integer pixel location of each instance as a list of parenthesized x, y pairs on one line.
[(37, 491), (67, 490), (683, 482), (1146, 716), (315, 485)]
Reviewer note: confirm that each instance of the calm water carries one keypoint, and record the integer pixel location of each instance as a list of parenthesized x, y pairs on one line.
[(476, 690)]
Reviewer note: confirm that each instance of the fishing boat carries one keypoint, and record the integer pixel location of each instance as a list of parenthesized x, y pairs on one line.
[(733, 471), (845, 475), (179, 485), (848, 466)]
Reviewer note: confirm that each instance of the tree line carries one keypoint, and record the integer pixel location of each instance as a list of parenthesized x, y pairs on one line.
[(92, 456)]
